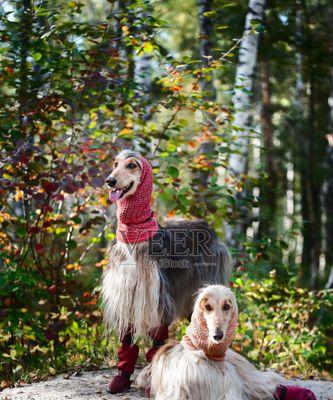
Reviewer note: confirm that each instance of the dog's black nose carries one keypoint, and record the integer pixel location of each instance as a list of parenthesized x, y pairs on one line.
[(218, 336), (111, 181)]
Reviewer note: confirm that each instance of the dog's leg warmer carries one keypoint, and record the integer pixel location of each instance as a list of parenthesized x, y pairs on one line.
[(127, 356), (159, 336), (293, 393)]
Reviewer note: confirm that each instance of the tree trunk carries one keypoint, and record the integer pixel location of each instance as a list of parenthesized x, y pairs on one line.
[(302, 137), (268, 201), (329, 180), (143, 81), (128, 49), (311, 162), (329, 205), (23, 90), (206, 44), (315, 187), (244, 82), (243, 86), (201, 177)]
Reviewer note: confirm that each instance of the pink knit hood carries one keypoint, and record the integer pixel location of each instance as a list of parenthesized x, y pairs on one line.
[(197, 336), (136, 220)]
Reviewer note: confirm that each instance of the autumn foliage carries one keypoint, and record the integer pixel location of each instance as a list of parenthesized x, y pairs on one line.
[(73, 95)]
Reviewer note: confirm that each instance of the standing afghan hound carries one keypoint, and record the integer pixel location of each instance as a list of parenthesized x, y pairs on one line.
[(153, 271)]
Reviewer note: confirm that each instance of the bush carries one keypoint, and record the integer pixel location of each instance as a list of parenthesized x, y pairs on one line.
[(283, 326)]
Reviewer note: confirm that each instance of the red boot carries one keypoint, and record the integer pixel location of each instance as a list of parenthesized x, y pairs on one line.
[(159, 336), (127, 356), (293, 393), (119, 383)]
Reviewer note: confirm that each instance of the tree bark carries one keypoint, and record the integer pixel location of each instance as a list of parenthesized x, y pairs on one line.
[(243, 86), (304, 141), (329, 180), (128, 50), (201, 177), (206, 44), (329, 205), (312, 159), (23, 90), (244, 82), (268, 200)]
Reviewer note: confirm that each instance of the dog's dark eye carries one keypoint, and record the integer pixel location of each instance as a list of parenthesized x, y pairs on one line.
[(131, 165), (208, 307), (226, 307), (115, 164)]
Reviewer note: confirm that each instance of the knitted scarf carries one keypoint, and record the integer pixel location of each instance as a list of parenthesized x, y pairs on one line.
[(197, 337), (136, 220)]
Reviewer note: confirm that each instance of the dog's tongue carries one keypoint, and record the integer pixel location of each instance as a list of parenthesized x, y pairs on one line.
[(115, 195)]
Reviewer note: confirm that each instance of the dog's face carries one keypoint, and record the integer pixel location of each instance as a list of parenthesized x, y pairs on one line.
[(218, 304), (125, 176)]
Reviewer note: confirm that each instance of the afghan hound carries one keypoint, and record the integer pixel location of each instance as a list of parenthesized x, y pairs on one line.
[(202, 366), (154, 271)]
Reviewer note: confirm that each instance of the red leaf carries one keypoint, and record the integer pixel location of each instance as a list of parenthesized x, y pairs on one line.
[(52, 289), (33, 230), (58, 197), (38, 247), (49, 187)]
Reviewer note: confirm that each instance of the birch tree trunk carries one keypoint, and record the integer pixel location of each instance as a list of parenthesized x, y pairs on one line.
[(244, 82), (243, 86)]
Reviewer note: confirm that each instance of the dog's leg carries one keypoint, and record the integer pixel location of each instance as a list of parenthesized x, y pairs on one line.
[(159, 336), (127, 356)]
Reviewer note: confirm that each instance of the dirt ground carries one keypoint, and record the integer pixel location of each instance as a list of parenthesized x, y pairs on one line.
[(91, 386)]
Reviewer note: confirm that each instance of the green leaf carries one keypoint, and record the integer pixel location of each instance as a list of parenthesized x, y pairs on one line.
[(148, 48), (37, 56), (71, 244), (209, 14), (173, 171), (284, 245)]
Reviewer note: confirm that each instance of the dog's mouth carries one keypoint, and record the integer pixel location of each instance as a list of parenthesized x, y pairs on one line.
[(117, 194)]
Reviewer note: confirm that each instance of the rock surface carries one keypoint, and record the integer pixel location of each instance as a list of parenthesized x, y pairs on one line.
[(92, 386)]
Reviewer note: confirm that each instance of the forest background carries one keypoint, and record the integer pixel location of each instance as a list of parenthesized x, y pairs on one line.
[(232, 103)]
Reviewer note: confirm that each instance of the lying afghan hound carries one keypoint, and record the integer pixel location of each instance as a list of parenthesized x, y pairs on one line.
[(201, 366), (153, 271)]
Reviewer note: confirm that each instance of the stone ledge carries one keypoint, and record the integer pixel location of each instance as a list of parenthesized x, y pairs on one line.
[(92, 386)]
